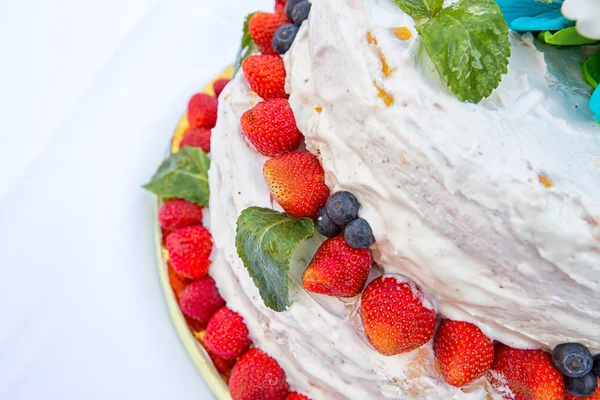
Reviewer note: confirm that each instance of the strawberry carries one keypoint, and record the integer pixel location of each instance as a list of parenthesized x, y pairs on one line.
[(297, 182), (280, 6), (262, 26), (338, 269), (529, 374), (271, 127), (197, 137), (201, 299), (222, 365), (463, 352), (177, 213), (296, 396), (256, 376), (202, 111), (227, 334), (219, 85), (265, 75), (189, 250), (396, 315), (595, 396)]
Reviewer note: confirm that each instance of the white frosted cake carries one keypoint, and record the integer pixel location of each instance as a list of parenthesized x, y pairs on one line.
[(491, 208), (454, 165)]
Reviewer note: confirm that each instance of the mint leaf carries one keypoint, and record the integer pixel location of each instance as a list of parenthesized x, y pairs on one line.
[(468, 44), (265, 240), (591, 69), (183, 175), (419, 9), (247, 46)]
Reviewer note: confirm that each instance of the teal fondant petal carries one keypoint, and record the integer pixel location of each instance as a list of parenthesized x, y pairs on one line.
[(595, 103), (550, 21), (514, 9)]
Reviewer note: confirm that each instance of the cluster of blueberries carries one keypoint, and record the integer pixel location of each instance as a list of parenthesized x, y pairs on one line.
[(579, 368), (341, 213), (296, 11)]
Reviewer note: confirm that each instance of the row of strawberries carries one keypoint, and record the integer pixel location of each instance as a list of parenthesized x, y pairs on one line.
[(251, 373)]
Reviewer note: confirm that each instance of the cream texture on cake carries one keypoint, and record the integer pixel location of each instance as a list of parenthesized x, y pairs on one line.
[(492, 209)]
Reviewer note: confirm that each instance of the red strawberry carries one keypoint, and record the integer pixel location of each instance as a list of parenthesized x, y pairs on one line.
[(227, 334), (256, 376), (189, 250), (178, 283), (265, 75), (529, 374), (396, 315), (463, 352), (202, 111), (219, 85), (338, 269), (197, 137), (595, 396), (297, 182), (271, 127), (222, 365), (201, 299), (262, 26), (280, 6), (296, 396), (177, 213)]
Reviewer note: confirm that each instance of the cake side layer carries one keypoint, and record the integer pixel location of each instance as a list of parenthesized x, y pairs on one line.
[(317, 340), (492, 208)]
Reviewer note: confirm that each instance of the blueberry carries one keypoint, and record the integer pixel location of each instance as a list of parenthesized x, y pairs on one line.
[(284, 37), (289, 7), (572, 359), (325, 225), (342, 207), (358, 234), (300, 12), (596, 367), (581, 387)]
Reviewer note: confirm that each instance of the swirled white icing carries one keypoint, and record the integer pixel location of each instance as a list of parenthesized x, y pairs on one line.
[(455, 192)]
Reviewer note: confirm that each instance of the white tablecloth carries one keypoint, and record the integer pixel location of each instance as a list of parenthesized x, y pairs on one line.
[(89, 94)]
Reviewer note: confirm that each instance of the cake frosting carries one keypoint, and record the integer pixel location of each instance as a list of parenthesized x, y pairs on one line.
[(492, 209)]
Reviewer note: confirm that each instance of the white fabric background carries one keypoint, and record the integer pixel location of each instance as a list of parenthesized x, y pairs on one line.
[(90, 91)]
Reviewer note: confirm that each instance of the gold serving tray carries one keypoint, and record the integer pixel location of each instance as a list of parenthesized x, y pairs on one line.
[(200, 357)]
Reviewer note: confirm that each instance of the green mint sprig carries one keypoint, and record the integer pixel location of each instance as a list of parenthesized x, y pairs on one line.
[(467, 42), (247, 46), (265, 240), (183, 175), (420, 9)]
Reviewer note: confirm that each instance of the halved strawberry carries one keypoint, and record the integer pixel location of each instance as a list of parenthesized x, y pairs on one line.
[(271, 127), (297, 182), (463, 352), (266, 75), (262, 26), (227, 334), (202, 111), (201, 299), (256, 376), (338, 269), (189, 251), (296, 396), (396, 315), (529, 374)]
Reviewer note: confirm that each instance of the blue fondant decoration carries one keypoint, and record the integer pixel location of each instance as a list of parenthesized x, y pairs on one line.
[(595, 103), (534, 15)]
